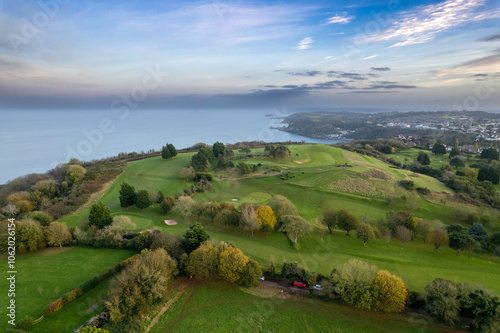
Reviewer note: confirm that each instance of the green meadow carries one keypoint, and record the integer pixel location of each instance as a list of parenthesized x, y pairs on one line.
[(362, 188), (44, 276), (222, 308)]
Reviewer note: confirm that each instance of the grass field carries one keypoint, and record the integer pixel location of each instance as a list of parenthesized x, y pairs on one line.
[(437, 161), (219, 308), (312, 192), (45, 275)]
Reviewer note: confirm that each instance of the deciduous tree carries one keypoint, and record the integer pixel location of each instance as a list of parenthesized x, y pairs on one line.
[(354, 282), (249, 219), (437, 238), (188, 173), (392, 292), (346, 221), (423, 228), (329, 219), (282, 206), (75, 174), (197, 208), (295, 226), (212, 209), (58, 234), (441, 300), (266, 216), (232, 263), (403, 234), (251, 274), (204, 262), (457, 162), (140, 286), (365, 232), (183, 206)]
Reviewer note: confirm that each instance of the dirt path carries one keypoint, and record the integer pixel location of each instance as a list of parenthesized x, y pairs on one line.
[(282, 173), (285, 286), (165, 308)]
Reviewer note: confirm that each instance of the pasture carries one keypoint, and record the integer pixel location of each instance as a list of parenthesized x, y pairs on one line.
[(44, 276), (222, 308)]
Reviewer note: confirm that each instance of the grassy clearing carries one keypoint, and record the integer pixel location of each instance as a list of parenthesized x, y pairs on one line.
[(44, 276), (437, 161), (75, 313), (220, 308)]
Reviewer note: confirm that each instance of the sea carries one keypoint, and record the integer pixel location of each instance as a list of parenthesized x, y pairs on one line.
[(35, 141)]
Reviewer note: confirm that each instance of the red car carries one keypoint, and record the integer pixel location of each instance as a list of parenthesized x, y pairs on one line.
[(299, 284)]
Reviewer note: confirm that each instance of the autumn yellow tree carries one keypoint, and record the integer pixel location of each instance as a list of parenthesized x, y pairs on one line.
[(57, 234), (232, 263), (437, 238), (203, 262), (266, 215), (392, 292)]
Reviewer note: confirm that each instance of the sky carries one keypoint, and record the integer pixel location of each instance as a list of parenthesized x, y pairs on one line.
[(394, 55)]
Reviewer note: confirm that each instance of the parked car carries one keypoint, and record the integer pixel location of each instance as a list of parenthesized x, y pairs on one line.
[(262, 278), (299, 284), (318, 287)]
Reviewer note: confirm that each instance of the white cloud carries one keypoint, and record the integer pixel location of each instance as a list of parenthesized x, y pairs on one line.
[(340, 19), (487, 64), (422, 24), (304, 44), (329, 57), (370, 57)]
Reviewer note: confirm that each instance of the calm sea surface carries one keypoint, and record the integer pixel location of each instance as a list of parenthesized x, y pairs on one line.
[(35, 141)]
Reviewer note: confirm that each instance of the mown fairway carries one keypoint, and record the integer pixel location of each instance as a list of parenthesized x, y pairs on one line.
[(219, 308), (44, 276), (362, 189)]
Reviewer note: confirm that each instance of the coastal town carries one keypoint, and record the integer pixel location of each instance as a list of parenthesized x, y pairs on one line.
[(469, 127)]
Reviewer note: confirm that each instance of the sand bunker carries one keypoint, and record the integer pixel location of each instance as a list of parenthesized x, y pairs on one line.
[(170, 222)]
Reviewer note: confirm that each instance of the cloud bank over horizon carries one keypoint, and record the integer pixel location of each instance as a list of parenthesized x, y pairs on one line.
[(198, 54)]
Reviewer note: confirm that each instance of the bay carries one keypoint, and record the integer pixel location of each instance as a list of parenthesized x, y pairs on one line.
[(35, 141)]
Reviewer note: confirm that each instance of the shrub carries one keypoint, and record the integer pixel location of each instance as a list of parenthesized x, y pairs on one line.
[(25, 324), (73, 294), (407, 184), (423, 190), (293, 270), (89, 284), (93, 329), (415, 300), (200, 175), (42, 217), (54, 307)]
